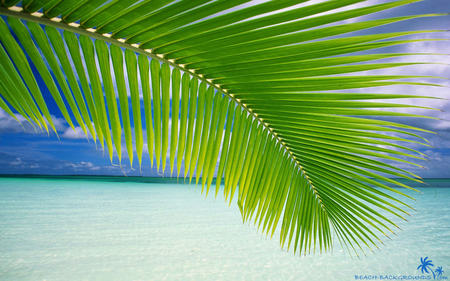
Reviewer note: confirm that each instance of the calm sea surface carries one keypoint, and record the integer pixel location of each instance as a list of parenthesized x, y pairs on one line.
[(68, 229)]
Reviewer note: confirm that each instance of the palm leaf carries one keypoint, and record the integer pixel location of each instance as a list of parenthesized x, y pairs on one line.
[(264, 102)]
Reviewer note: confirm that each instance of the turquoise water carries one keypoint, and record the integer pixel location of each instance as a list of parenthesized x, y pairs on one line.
[(66, 229)]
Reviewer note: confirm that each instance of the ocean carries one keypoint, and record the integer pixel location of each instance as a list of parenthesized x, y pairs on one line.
[(110, 229)]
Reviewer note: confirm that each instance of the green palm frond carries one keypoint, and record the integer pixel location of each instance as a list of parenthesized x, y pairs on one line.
[(261, 100)]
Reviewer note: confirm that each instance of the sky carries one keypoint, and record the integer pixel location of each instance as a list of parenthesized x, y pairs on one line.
[(31, 152)]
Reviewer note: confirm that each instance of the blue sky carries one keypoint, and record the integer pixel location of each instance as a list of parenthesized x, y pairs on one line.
[(37, 153)]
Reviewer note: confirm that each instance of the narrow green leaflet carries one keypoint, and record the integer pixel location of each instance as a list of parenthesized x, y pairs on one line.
[(198, 128), (239, 152), (117, 59), (165, 91), (176, 83), (205, 134), (185, 82), (144, 72), (156, 93), (238, 129), (211, 166), (111, 100), (131, 62), (207, 155), (9, 3), (33, 5), (193, 86), (75, 13), (225, 145), (60, 7)]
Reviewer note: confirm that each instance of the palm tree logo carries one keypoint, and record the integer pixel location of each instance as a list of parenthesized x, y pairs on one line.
[(439, 271), (426, 265)]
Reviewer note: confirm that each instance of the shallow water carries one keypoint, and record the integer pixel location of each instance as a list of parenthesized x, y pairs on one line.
[(56, 229)]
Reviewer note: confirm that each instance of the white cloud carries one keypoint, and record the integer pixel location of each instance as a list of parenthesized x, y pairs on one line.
[(16, 162), (59, 123), (69, 133), (82, 166), (9, 125), (114, 168)]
